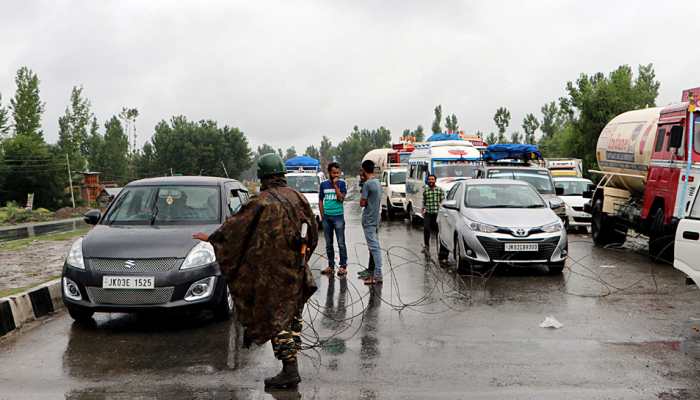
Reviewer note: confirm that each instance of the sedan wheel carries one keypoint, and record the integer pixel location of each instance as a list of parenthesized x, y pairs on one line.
[(224, 310)]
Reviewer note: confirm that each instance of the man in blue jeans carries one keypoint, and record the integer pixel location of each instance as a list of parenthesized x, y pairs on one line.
[(331, 197), (371, 201)]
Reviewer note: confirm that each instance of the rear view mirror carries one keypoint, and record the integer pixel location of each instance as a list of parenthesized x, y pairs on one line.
[(555, 204), (559, 191), (588, 193), (92, 217), (676, 139), (451, 204)]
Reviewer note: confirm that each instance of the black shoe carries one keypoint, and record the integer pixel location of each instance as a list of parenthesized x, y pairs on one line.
[(286, 379)]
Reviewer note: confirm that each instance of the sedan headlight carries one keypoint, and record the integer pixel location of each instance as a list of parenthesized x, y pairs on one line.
[(480, 227), (202, 254), (75, 255), (553, 227)]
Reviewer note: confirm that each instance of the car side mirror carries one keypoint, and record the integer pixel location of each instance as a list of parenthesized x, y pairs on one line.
[(451, 204), (588, 193), (92, 217), (676, 139), (559, 191), (555, 204)]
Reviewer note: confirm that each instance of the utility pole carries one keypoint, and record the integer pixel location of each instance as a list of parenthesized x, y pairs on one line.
[(70, 181), (224, 167)]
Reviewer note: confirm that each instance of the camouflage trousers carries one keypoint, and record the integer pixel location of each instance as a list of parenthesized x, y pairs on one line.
[(286, 344)]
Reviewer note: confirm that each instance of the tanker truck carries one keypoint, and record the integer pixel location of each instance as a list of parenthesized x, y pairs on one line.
[(647, 177)]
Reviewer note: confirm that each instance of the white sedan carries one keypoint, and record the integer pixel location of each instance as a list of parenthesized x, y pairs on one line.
[(572, 189), (500, 221)]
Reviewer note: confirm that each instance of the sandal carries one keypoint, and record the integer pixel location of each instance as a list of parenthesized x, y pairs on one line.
[(327, 271), (343, 270)]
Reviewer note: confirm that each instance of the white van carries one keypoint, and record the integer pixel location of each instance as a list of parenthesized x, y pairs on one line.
[(449, 160), (307, 183), (393, 181)]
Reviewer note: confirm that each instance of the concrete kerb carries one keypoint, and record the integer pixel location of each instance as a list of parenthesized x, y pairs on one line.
[(20, 308)]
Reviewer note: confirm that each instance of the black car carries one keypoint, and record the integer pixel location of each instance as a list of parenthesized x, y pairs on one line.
[(140, 255)]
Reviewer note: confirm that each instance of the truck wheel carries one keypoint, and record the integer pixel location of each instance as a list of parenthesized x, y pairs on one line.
[(660, 242), (80, 314), (603, 227)]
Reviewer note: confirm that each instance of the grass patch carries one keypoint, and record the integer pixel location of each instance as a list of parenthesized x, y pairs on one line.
[(20, 244), (10, 292)]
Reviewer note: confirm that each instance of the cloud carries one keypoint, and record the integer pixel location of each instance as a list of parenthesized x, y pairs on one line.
[(287, 72)]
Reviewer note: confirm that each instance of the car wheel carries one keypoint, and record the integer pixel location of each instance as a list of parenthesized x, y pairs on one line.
[(556, 268), (462, 265), (80, 314), (224, 309), (390, 213)]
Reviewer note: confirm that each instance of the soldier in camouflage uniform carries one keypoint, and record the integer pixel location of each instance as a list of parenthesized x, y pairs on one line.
[(259, 251)]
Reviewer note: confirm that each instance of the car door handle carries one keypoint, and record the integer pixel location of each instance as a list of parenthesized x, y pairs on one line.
[(690, 235)]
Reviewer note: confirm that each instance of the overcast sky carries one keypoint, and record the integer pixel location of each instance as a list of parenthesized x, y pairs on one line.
[(288, 72)]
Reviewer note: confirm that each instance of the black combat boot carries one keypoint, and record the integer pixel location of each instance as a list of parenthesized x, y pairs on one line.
[(287, 378)]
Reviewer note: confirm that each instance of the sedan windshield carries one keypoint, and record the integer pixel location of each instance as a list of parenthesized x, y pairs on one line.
[(304, 183), (397, 178), (537, 178), (166, 205), (502, 196), (571, 187)]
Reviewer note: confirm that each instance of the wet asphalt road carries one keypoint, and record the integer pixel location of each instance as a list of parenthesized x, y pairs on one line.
[(631, 331)]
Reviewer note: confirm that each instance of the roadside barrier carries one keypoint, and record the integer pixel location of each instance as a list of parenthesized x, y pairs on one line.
[(21, 308)]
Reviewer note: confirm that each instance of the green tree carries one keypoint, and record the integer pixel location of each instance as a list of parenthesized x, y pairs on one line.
[(492, 138), (451, 123), (553, 119), (530, 125), (313, 152), (419, 134), (4, 121), (95, 144), (594, 100), (326, 151), (115, 151), (73, 129), (437, 122), (290, 153), (194, 148), (145, 161), (516, 137), (502, 120), (360, 141), (26, 105)]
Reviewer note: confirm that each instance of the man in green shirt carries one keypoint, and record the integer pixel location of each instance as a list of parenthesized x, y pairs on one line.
[(432, 198)]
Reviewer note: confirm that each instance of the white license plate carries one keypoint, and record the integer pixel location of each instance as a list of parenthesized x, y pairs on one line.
[(128, 282), (522, 247)]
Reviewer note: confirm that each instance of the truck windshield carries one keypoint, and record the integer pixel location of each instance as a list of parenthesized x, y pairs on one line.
[(502, 196), (537, 178), (572, 188), (166, 205), (397, 178), (304, 183), (455, 171)]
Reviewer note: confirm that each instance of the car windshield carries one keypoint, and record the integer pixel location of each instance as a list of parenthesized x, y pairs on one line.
[(502, 196), (571, 187), (397, 178), (537, 178), (303, 183), (166, 205), (455, 171)]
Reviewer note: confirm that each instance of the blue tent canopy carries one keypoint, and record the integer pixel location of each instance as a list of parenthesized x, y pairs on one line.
[(302, 162), (497, 152), (439, 137)]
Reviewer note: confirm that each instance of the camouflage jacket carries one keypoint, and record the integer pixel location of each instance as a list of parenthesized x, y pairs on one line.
[(258, 250)]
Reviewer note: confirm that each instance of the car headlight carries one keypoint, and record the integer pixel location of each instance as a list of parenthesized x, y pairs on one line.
[(75, 255), (202, 254), (553, 227), (480, 227)]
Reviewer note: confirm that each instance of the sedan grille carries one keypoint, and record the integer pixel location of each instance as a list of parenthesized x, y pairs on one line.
[(158, 295), (135, 265), (496, 249)]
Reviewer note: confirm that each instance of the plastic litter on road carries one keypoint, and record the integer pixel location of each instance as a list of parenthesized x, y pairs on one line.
[(551, 322)]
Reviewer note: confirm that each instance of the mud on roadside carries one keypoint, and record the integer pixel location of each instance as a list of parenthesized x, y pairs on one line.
[(33, 264)]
